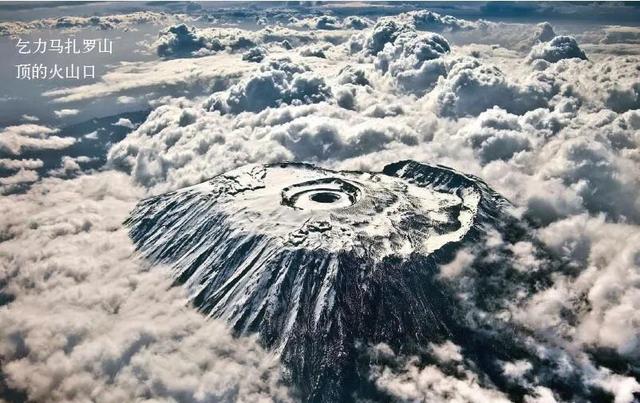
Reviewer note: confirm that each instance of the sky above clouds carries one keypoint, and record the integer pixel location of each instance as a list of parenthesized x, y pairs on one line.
[(540, 100)]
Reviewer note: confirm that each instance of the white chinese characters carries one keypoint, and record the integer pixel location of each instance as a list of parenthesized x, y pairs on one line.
[(39, 71), (68, 46)]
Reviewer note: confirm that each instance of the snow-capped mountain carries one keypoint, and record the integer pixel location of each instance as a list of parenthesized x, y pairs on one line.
[(323, 265)]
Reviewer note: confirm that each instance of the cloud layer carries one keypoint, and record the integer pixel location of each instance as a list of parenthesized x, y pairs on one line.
[(91, 322), (117, 21)]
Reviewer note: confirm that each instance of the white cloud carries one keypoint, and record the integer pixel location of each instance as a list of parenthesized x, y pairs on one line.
[(22, 176), (15, 139), (498, 135), (414, 60), (30, 118), (385, 31), (69, 166), (181, 40), (314, 50), (429, 383), (179, 143), (606, 181), (545, 32), (516, 369), (63, 113), (15, 165), (624, 389), (185, 41), (471, 87), (126, 100), (329, 22), (278, 82), (446, 352), (124, 122), (255, 54), (453, 269), (558, 48)]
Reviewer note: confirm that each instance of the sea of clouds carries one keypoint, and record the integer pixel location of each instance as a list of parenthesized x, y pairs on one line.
[(549, 120)]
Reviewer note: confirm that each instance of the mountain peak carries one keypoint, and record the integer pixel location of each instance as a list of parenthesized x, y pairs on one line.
[(321, 263)]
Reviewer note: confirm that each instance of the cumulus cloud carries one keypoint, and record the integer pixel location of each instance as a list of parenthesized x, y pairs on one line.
[(545, 32), (415, 382), (63, 113), (18, 172), (20, 177), (431, 384), (329, 22), (412, 72), (289, 38), (611, 34), (446, 352), (12, 165), (621, 97), (126, 99), (181, 40), (385, 31), (516, 36), (70, 166), (516, 369), (315, 50), (356, 22), (471, 87), (414, 60), (353, 75), (207, 73), (558, 48), (498, 135), (16, 139), (620, 34), (462, 260), (180, 141), (255, 54), (278, 82), (124, 122), (426, 20)]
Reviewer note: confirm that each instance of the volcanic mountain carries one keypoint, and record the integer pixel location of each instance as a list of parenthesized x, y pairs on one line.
[(323, 265)]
